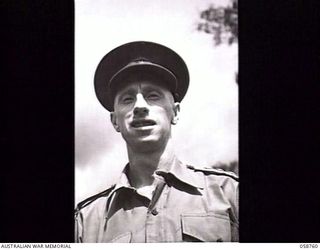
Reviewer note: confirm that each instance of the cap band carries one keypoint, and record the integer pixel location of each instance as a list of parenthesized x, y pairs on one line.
[(141, 63)]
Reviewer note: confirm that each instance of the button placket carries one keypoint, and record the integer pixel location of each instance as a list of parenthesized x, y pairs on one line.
[(154, 211), (156, 195), (152, 220)]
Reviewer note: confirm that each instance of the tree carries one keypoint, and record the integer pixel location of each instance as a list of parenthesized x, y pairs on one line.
[(221, 22)]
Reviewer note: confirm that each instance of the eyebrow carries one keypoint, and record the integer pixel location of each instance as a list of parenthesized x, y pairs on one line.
[(153, 88), (132, 90), (126, 91)]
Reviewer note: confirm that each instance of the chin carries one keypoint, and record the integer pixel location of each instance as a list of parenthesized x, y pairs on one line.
[(148, 140), (147, 143)]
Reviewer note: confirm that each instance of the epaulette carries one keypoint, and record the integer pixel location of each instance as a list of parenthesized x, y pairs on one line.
[(91, 199), (216, 171)]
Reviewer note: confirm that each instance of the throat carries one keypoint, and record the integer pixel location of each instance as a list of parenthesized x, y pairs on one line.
[(142, 166)]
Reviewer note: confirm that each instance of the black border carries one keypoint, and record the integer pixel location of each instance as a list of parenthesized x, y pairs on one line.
[(279, 92), (37, 191)]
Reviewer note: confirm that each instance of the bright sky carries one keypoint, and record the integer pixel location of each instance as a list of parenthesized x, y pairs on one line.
[(207, 131)]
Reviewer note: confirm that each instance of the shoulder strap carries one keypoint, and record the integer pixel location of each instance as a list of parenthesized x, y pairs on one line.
[(216, 171), (91, 199)]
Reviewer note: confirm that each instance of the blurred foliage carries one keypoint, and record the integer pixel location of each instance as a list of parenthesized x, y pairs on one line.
[(231, 166), (221, 22)]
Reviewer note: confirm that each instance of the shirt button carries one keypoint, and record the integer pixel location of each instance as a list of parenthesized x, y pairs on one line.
[(154, 211)]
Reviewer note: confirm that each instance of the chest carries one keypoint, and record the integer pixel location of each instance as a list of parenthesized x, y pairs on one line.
[(176, 214)]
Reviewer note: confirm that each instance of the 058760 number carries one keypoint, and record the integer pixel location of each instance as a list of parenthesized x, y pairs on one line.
[(308, 245)]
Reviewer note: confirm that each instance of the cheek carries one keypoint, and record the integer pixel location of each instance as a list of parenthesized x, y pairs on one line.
[(169, 114), (120, 118)]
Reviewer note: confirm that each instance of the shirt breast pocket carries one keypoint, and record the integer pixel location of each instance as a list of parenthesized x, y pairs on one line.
[(206, 227)]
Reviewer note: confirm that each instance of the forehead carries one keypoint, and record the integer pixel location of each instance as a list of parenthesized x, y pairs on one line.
[(141, 82), (142, 86)]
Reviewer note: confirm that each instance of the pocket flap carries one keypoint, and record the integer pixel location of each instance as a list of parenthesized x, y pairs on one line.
[(123, 238), (206, 227)]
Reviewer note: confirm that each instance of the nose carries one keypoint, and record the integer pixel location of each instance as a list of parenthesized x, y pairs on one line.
[(141, 106)]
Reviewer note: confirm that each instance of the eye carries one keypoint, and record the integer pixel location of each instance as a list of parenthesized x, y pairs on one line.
[(153, 96), (127, 99)]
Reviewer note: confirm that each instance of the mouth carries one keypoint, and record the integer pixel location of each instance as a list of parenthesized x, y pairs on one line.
[(142, 123)]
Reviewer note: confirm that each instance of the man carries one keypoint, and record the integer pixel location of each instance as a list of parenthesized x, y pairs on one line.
[(157, 198)]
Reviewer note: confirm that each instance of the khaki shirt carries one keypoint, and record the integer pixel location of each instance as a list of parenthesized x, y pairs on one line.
[(188, 204)]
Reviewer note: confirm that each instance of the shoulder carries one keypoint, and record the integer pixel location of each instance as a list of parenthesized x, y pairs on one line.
[(226, 183), (93, 200), (219, 179), (216, 172)]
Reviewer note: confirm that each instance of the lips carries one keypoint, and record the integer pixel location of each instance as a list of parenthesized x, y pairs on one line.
[(142, 123)]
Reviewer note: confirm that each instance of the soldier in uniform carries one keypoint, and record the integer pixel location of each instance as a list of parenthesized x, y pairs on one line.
[(157, 198)]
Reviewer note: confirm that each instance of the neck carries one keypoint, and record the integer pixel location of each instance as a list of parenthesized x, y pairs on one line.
[(143, 164)]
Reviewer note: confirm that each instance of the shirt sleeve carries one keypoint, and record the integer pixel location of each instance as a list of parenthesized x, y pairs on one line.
[(78, 230), (235, 224)]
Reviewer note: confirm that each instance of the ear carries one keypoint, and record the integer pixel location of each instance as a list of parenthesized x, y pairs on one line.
[(176, 110), (113, 119)]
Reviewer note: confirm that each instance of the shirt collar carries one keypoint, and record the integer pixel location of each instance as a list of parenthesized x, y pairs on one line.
[(181, 172), (123, 181), (178, 170)]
